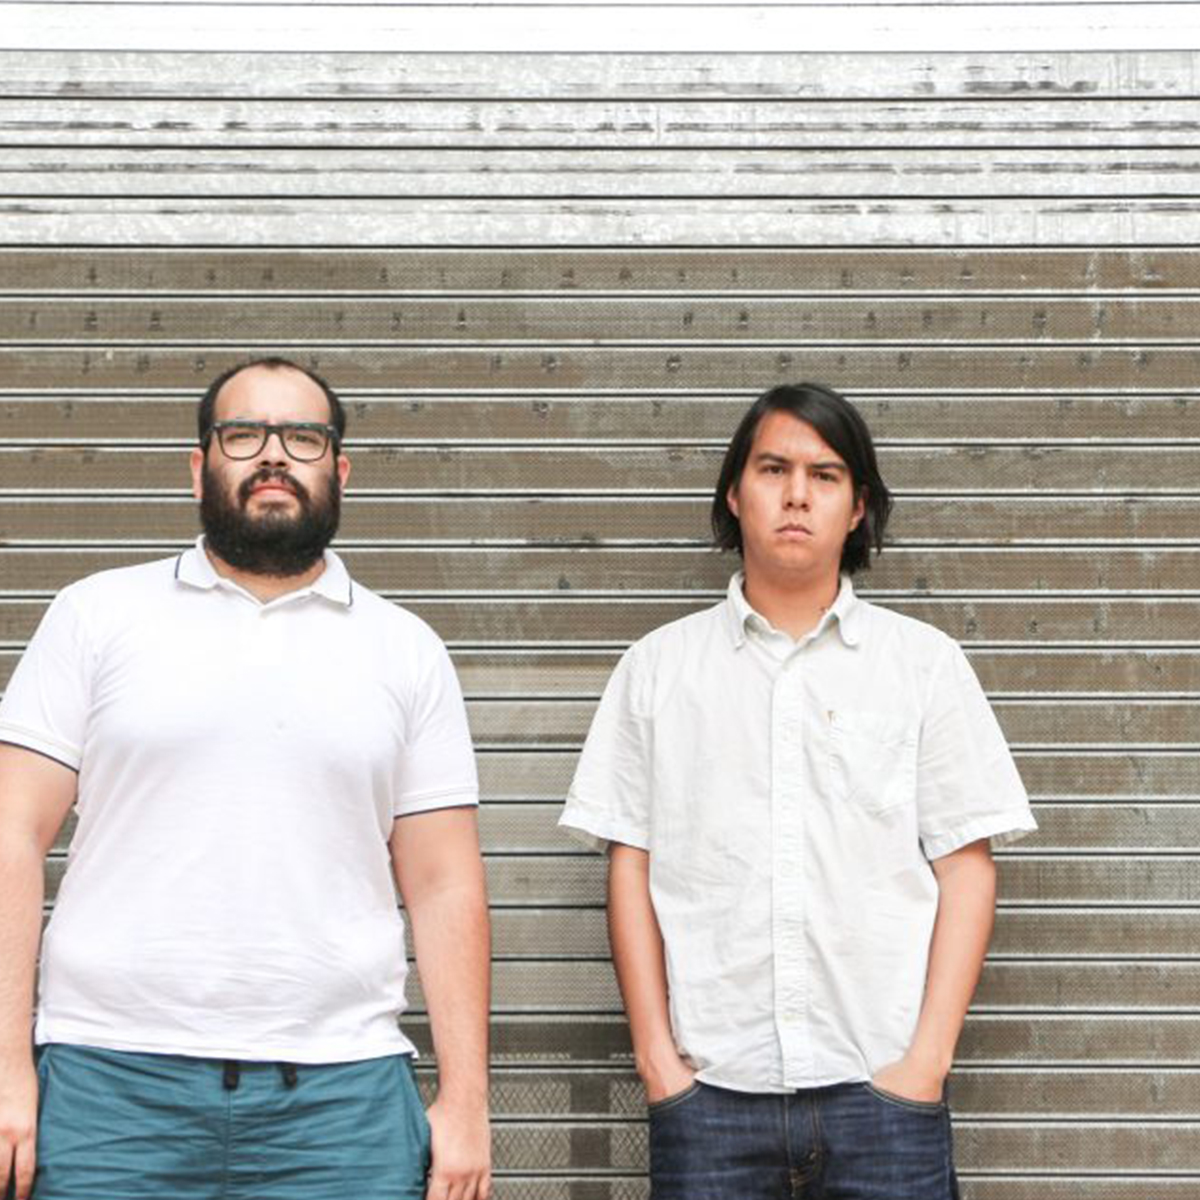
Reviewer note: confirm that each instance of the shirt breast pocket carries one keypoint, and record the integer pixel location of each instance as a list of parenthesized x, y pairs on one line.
[(873, 759)]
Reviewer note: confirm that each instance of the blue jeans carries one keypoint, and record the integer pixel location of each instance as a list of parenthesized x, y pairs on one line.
[(847, 1142), (119, 1126)]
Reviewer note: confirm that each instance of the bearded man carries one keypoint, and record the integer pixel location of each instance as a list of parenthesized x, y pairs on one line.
[(255, 746)]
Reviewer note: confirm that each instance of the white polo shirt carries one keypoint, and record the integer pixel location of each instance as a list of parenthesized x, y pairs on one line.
[(791, 795), (228, 891)]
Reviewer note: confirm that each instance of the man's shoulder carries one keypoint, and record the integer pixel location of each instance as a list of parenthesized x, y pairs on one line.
[(661, 658), (390, 618), (119, 584), (910, 634), (680, 634)]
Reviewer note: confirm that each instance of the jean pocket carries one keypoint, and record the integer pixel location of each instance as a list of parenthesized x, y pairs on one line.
[(674, 1100), (921, 1106)]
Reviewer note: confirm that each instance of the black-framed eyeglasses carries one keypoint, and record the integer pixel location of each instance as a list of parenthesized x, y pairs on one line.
[(305, 441)]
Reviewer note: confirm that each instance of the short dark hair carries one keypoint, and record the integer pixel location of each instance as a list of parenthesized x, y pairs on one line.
[(841, 425), (273, 362)]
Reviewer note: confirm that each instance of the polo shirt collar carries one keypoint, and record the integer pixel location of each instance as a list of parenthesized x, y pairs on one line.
[(195, 569), (847, 611)]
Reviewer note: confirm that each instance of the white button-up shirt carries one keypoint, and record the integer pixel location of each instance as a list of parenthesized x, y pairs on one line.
[(791, 795)]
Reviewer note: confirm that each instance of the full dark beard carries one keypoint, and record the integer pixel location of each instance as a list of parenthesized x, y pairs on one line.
[(276, 543)]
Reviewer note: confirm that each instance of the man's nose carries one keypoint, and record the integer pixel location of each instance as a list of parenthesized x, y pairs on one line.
[(796, 490)]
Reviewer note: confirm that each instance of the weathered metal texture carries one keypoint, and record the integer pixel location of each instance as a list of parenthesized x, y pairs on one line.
[(1095, 367), (895, 416), (204, 122), (431, 220), (731, 270), (818, 319), (536, 432), (301, 178), (1022, 149), (1126, 76)]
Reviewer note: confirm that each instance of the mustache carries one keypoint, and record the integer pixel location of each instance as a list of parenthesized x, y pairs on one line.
[(272, 475)]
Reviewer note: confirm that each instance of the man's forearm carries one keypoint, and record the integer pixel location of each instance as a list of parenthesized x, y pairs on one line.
[(22, 892), (637, 952), (440, 873), (21, 895), (965, 915), (453, 948)]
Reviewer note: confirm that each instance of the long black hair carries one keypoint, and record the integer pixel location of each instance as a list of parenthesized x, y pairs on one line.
[(840, 425)]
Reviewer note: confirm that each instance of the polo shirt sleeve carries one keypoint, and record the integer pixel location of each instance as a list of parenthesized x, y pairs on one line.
[(609, 798), (437, 768), (967, 783), (46, 704)]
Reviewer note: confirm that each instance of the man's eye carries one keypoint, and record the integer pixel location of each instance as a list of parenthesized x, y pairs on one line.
[(240, 433), (305, 437)]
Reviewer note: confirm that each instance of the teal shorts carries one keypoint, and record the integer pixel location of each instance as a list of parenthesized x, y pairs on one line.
[(119, 1126)]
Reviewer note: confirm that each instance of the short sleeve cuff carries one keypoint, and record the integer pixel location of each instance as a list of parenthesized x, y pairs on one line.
[(598, 832), (40, 743), (999, 828), (407, 806)]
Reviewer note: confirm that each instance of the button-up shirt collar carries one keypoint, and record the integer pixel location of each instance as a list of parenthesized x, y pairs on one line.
[(743, 621)]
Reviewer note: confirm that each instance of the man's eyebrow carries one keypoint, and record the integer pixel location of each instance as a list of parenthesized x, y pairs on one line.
[(770, 456)]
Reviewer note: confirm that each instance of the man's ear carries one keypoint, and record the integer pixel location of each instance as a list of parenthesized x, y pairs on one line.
[(196, 461), (860, 509), (343, 470)]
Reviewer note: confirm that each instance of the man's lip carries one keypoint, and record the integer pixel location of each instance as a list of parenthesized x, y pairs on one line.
[(272, 487)]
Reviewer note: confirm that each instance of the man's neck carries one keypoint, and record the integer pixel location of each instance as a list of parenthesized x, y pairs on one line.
[(794, 605), (266, 588)]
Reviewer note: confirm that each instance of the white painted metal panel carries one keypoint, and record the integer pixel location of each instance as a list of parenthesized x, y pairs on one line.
[(590, 27)]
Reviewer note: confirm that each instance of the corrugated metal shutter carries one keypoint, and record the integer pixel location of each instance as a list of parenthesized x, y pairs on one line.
[(548, 285)]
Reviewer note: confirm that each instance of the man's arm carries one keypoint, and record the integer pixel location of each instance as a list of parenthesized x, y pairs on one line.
[(35, 795), (637, 952), (435, 856), (965, 914)]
